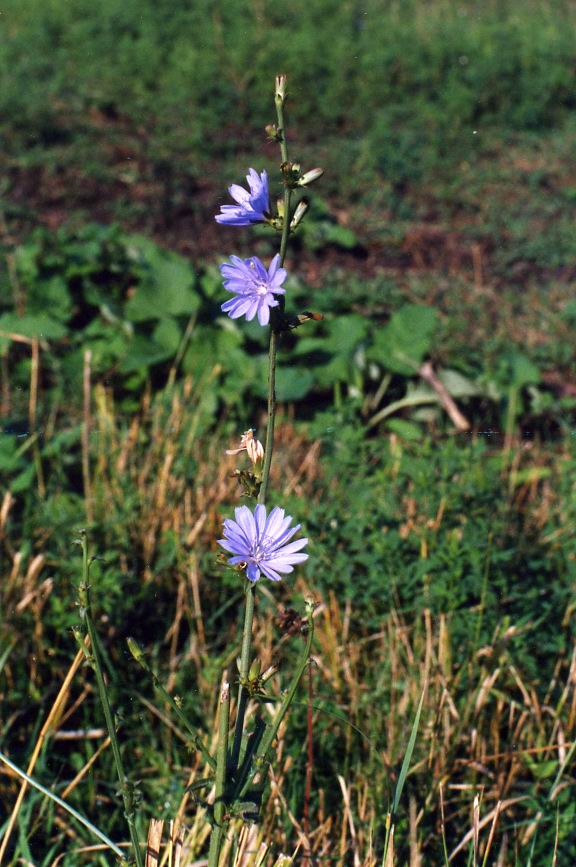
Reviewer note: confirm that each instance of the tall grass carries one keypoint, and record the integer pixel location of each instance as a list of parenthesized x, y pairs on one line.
[(490, 762)]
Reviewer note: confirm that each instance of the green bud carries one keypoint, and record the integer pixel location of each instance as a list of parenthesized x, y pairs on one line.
[(273, 133), (135, 650), (255, 670)]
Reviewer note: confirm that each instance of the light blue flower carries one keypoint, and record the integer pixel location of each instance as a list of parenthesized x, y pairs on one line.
[(253, 287), (262, 543), (251, 207)]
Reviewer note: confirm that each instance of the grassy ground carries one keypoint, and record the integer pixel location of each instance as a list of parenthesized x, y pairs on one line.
[(441, 561)]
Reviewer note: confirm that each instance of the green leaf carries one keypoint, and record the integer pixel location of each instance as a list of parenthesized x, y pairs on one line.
[(458, 385), (168, 334), (407, 757), (406, 430), (52, 295), (142, 354), (516, 370), (167, 283), (40, 325), (23, 480), (416, 396), (403, 343), (346, 332)]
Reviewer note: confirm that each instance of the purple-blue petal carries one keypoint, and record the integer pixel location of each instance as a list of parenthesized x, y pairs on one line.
[(252, 572)]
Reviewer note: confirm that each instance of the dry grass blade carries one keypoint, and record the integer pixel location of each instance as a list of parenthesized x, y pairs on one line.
[(153, 842), (349, 818), (55, 712), (176, 843), (492, 832), (500, 808)]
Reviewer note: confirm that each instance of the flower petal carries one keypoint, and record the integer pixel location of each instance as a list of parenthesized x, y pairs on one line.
[(270, 573), (253, 572), (260, 519), (245, 521)]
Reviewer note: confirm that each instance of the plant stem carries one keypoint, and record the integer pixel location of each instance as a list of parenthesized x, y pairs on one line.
[(138, 655), (125, 786), (262, 752), (244, 671), (219, 826), (269, 448)]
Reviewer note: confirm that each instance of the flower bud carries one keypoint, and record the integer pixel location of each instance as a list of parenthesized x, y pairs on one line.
[(255, 670), (280, 94), (135, 649), (301, 209), (311, 176)]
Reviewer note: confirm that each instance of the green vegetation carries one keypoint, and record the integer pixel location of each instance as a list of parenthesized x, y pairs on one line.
[(442, 545)]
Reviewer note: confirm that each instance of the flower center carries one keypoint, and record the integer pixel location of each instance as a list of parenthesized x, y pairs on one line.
[(262, 550), (261, 289)]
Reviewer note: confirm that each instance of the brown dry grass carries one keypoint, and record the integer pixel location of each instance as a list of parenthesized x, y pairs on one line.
[(480, 725)]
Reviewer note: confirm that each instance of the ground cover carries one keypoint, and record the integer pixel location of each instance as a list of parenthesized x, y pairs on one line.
[(443, 553)]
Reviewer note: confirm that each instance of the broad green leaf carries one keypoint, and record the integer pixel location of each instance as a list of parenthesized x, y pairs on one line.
[(516, 370), (51, 296), (404, 342), (168, 334), (458, 385), (167, 283), (142, 354), (40, 325), (293, 383), (346, 332)]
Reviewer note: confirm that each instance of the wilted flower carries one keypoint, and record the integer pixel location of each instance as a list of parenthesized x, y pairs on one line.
[(252, 206), (280, 94), (262, 543), (301, 209), (249, 444), (253, 286), (309, 177)]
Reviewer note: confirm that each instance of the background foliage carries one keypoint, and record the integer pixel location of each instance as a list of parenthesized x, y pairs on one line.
[(442, 233)]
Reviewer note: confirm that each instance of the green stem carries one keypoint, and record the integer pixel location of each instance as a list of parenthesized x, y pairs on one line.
[(70, 810), (219, 827), (261, 756), (269, 447), (244, 672), (125, 787), (268, 450), (138, 655)]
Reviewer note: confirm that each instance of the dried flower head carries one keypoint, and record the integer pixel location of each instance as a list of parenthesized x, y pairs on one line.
[(249, 444)]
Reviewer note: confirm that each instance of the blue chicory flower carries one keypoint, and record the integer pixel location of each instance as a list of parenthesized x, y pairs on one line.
[(251, 207), (262, 543), (253, 286)]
